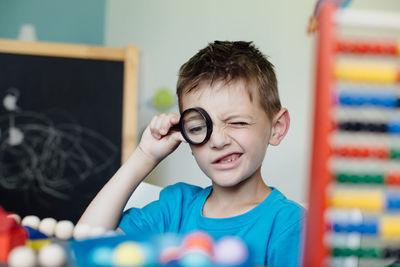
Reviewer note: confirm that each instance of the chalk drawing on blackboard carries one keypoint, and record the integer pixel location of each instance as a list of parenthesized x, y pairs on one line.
[(35, 152)]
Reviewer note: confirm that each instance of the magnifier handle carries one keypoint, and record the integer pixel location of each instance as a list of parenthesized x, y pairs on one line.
[(175, 127)]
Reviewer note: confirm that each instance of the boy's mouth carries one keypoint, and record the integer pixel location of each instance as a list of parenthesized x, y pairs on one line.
[(228, 158)]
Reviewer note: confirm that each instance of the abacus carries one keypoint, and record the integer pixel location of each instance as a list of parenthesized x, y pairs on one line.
[(354, 191)]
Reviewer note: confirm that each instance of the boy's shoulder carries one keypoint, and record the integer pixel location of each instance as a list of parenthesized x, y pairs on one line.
[(286, 211), (280, 199)]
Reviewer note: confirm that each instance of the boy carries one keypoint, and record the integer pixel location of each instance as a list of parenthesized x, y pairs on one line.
[(235, 85)]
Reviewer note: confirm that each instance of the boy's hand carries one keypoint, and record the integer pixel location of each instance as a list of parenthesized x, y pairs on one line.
[(157, 142)]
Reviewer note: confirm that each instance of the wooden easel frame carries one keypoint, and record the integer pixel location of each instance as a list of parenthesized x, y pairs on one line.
[(128, 55)]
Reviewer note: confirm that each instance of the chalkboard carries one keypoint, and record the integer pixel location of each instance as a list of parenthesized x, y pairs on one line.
[(67, 121)]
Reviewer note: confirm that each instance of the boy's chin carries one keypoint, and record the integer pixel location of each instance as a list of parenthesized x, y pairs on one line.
[(225, 183)]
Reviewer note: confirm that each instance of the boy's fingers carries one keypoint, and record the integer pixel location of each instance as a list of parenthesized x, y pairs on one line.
[(154, 129), (174, 119), (160, 125), (167, 123), (164, 127)]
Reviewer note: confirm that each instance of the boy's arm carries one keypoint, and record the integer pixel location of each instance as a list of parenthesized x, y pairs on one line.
[(156, 143), (105, 209)]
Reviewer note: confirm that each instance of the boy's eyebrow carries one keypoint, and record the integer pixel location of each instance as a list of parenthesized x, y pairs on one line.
[(236, 116)]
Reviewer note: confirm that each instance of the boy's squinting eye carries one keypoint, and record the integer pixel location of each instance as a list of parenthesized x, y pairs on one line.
[(239, 123)]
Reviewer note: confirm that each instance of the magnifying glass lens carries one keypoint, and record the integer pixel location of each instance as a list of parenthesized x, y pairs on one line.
[(195, 126)]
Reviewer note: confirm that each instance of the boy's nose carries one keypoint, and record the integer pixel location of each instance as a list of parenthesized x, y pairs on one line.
[(219, 138)]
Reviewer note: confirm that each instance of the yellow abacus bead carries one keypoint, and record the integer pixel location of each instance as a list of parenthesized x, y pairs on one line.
[(382, 73), (390, 227), (368, 200)]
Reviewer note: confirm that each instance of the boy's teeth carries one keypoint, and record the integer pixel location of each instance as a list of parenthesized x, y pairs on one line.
[(229, 159)]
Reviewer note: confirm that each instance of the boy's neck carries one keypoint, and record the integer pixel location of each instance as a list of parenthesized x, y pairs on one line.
[(226, 202)]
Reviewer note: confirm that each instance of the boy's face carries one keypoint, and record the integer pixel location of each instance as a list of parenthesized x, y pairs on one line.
[(241, 132)]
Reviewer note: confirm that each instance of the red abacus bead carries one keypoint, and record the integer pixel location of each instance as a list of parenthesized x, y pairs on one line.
[(381, 153), (393, 179), (341, 47), (344, 151), (377, 48), (365, 152), (364, 48), (353, 152), (390, 49)]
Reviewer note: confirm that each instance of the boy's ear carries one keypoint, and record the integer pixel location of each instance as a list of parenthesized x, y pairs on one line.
[(280, 126)]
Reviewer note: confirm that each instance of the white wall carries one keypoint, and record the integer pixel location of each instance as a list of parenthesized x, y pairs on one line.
[(169, 32)]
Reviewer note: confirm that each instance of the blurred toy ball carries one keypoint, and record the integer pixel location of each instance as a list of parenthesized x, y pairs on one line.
[(52, 255), (169, 247), (22, 256), (198, 240), (31, 221), (64, 229), (47, 226), (128, 254), (81, 231), (15, 216), (230, 251), (101, 256), (195, 258)]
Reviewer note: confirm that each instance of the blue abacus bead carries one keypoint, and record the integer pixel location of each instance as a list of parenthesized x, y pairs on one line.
[(393, 126), (363, 228), (389, 101), (337, 227), (359, 99), (351, 228), (374, 99), (101, 256), (371, 226), (345, 99), (369, 99), (392, 202)]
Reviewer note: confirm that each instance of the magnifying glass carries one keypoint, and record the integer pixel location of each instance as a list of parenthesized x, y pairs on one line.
[(195, 125)]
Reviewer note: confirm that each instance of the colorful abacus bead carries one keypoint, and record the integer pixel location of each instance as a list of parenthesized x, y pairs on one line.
[(367, 47), (231, 251), (128, 253)]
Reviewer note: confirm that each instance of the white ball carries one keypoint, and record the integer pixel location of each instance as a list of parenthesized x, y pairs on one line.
[(64, 229), (52, 255), (81, 231), (22, 256), (31, 221), (15, 216), (48, 226)]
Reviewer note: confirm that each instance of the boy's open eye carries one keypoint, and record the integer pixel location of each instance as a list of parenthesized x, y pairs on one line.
[(197, 129)]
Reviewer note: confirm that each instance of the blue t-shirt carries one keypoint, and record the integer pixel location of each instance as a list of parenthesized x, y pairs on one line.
[(272, 229)]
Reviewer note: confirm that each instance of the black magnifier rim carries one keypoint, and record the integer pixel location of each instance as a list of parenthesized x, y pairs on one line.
[(206, 117)]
